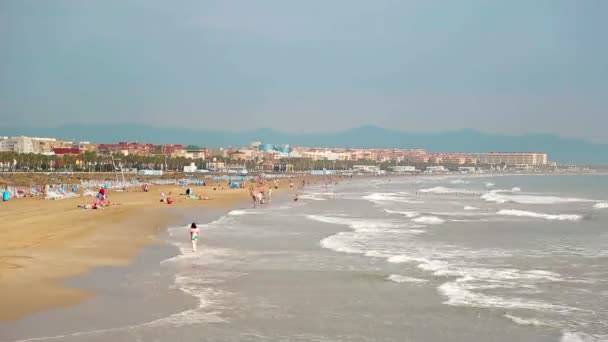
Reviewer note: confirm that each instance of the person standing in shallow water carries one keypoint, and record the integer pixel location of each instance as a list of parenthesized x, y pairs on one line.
[(194, 232)]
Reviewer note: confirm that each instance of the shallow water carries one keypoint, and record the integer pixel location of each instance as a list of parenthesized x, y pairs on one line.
[(410, 259)]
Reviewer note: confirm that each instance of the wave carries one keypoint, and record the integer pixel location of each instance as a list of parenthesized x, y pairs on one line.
[(490, 185), (355, 223), (523, 213), (242, 212), (459, 181), (444, 190), (529, 199), (569, 336), (458, 294), (336, 243), (601, 205), (408, 214), (382, 197), (428, 220), (468, 207), (403, 279), (524, 321)]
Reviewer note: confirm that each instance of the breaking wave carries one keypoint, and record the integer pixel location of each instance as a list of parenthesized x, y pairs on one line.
[(382, 197), (528, 199), (444, 190), (428, 220), (524, 321), (601, 205), (404, 279), (523, 213), (408, 214)]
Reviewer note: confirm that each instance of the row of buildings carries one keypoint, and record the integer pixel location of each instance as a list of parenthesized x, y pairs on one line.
[(269, 152), (410, 156)]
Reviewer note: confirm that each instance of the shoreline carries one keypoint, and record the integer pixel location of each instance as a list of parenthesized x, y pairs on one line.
[(263, 277), (116, 290), (47, 243)]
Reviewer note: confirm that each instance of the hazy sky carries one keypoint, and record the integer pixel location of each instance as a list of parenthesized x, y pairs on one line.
[(513, 66)]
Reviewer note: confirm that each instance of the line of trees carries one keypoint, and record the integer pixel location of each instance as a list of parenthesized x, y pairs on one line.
[(88, 162)]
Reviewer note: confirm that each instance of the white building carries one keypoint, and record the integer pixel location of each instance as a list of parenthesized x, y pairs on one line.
[(434, 169), (514, 158), (24, 144), (403, 169), (17, 144)]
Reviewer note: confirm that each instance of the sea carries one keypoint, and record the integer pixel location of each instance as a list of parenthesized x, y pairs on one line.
[(417, 258)]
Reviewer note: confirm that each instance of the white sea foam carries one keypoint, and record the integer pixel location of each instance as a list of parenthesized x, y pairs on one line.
[(524, 321), (408, 214), (376, 254), (459, 181), (337, 243), (313, 197), (428, 220), (361, 225), (444, 190), (399, 259), (458, 294), (601, 205), (206, 296), (570, 336), (490, 185), (242, 212), (528, 199), (383, 197), (404, 279), (523, 213), (468, 207)]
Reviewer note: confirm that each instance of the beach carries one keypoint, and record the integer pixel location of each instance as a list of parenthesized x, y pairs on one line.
[(44, 242), (437, 258)]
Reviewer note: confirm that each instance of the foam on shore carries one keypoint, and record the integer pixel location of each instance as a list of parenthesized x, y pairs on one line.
[(531, 214)]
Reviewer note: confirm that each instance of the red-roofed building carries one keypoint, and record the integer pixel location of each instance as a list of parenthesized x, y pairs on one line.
[(66, 150)]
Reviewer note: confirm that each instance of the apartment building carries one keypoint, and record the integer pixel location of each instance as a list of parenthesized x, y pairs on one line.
[(23, 144), (514, 158), (139, 149)]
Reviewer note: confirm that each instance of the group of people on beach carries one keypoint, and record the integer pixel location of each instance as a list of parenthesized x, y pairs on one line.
[(260, 191), (101, 200)]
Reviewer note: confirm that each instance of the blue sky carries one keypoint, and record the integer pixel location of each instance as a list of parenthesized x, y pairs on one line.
[(513, 67)]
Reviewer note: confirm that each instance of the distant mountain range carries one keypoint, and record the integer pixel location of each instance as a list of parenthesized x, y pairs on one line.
[(564, 150)]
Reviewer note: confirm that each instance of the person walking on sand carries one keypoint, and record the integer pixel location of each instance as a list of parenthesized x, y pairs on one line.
[(194, 232)]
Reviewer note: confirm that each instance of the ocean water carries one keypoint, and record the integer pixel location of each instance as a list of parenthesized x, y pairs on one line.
[(433, 258)]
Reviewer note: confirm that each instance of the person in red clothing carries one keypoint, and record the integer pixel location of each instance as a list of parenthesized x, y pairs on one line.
[(102, 193)]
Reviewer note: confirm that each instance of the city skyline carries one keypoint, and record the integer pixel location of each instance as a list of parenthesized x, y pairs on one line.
[(509, 68)]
